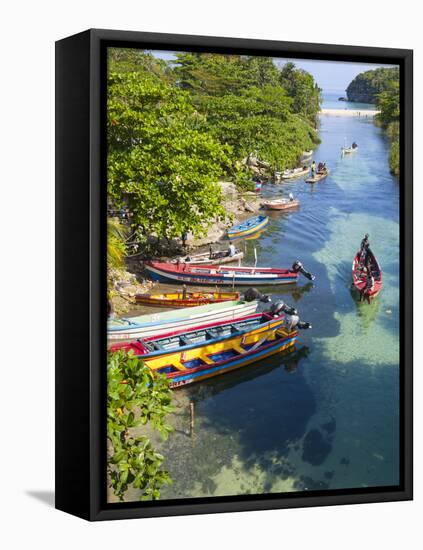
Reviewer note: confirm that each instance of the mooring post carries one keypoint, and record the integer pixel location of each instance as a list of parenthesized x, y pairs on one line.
[(192, 415)]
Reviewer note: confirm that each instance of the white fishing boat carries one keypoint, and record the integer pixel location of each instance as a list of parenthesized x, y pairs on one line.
[(295, 173), (154, 324)]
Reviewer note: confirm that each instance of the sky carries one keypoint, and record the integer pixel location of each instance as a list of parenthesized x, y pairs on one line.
[(329, 75)]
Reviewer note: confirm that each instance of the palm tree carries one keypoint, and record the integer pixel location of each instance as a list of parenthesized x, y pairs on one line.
[(116, 250)]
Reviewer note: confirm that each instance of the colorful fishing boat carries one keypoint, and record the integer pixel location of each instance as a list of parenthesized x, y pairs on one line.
[(144, 326), (185, 299), (218, 257), (185, 367), (280, 204), (204, 335), (248, 227), (222, 275), (319, 176), (295, 173), (366, 275)]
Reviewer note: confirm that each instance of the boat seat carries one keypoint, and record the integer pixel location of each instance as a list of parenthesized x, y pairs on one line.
[(156, 346)]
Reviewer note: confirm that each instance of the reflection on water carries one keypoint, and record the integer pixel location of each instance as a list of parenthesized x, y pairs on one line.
[(327, 415)]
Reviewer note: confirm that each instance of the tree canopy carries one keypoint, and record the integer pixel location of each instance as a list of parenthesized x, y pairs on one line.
[(368, 85), (175, 128)]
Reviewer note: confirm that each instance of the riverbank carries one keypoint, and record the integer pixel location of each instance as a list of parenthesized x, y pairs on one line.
[(365, 113)]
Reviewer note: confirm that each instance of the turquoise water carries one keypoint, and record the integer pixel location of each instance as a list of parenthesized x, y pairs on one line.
[(331, 101), (326, 416)]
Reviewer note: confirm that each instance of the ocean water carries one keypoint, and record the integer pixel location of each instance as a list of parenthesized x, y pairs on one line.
[(325, 416), (331, 101)]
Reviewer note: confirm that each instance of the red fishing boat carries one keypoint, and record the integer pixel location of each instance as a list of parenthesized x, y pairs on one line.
[(366, 275)]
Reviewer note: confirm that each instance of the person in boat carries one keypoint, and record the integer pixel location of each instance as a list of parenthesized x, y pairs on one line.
[(320, 167), (231, 250), (370, 283), (354, 145), (210, 252), (291, 197), (364, 247), (313, 168)]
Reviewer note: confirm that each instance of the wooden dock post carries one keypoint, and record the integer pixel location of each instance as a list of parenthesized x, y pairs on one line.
[(192, 415)]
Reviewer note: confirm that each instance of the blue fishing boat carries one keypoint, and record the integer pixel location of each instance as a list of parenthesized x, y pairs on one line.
[(248, 227)]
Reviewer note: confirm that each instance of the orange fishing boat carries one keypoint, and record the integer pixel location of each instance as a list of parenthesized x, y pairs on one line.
[(185, 299)]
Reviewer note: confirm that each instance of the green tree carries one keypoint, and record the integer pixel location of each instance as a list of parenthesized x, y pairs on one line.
[(303, 91), (136, 398), (388, 102), (367, 85), (158, 159)]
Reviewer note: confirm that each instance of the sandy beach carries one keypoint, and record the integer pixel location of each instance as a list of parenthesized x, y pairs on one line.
[(350, 112)]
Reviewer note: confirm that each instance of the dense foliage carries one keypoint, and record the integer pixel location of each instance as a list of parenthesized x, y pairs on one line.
[(388, 102), (381, 86), (366, 86), (136, 398), (176, 128)]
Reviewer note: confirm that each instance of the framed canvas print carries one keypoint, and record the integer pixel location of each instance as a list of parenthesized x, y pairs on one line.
[(234, 274)]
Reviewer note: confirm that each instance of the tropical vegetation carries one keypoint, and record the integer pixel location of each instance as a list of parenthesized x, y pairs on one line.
[(175, 128), (388, 102), (381, 86), (138, 403), (366, 86)]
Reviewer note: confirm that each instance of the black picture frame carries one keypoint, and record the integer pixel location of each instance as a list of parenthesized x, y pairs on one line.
[(81, 267)]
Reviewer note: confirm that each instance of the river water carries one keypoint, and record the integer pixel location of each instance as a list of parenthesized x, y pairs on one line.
[(325, 416)]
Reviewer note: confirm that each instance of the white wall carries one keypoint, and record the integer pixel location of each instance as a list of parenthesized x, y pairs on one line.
[(28, 31)]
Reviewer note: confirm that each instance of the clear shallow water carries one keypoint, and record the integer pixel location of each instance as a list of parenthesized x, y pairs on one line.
[(331, 101), (325, 416)]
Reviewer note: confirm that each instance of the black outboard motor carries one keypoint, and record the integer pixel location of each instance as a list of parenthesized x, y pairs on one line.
[(297, 266), (253, 294), (280, 307)]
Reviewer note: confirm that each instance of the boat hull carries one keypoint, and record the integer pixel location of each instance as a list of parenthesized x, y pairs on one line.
[(295, 175), (248, 228), (145, 326), (318, 177), (359, 278), (204, 259), (242, 276), (210, 338), (279, 342), (275, 205), (191, 299)]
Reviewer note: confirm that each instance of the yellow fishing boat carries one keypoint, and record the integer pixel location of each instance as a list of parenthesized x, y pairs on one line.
[(218, 357)]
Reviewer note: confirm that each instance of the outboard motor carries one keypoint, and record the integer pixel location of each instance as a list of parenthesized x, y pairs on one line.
[(253, 294), (293, 321), (297, 266), (280, 307)]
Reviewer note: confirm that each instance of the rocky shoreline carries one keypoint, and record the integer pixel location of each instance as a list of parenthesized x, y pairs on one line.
[(131, 281)]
